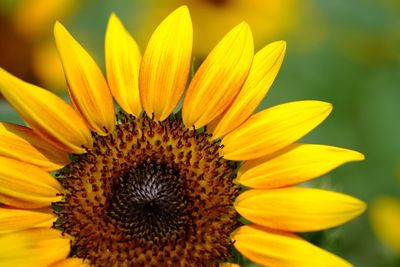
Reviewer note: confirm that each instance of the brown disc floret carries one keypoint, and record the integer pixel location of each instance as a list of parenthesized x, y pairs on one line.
[(149, 194)]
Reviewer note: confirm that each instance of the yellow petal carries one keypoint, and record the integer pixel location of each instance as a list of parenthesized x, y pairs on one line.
[(295, 164), (298, 209), (166, 64), (21, 143), (385, 221), (26, 186), (263, 71), (18, 219), (228, 264), (123, 63), (33, 247), (71, 262), (273, 129), (219, 79), (275, 248), (47, 114), (87, 87)]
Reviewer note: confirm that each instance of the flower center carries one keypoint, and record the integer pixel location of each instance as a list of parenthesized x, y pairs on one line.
[(149, 201), (149, 194)]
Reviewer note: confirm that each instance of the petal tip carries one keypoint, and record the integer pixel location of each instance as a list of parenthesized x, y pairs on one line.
[(324, 107), (357, 156), (181, 13), (282, 45), (243, 25), (184, 10), (242, 30), (58, 27), (60, 33), (114, 19), (362, 207), (245, 29), (57, 23)]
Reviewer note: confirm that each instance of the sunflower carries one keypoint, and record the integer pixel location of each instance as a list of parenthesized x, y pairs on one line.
[(157, 186)]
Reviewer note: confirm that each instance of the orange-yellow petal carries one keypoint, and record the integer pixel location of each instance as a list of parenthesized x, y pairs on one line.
[(123, 63), (26, 186), (298, 209), (71, 262), (33, 247), (18, 219), (385, 221), (274, 248), (295, 164), (21, 143), (47, 114), (166, 64), (263, 71), (87, 86), (273, 129), (228, 264), (219, 79)]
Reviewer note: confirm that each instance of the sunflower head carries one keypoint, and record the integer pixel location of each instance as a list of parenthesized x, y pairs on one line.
[(156, 186)]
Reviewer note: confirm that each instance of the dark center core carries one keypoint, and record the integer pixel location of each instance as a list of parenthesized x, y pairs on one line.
[(149, 201)]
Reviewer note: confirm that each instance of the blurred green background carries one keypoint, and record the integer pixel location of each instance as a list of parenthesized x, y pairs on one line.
[(343, 52)]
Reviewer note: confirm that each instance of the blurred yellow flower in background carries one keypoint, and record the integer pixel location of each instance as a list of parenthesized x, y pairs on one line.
[(15, 51), (29, 23), (385, 221), (35, 18), (212, 18)]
